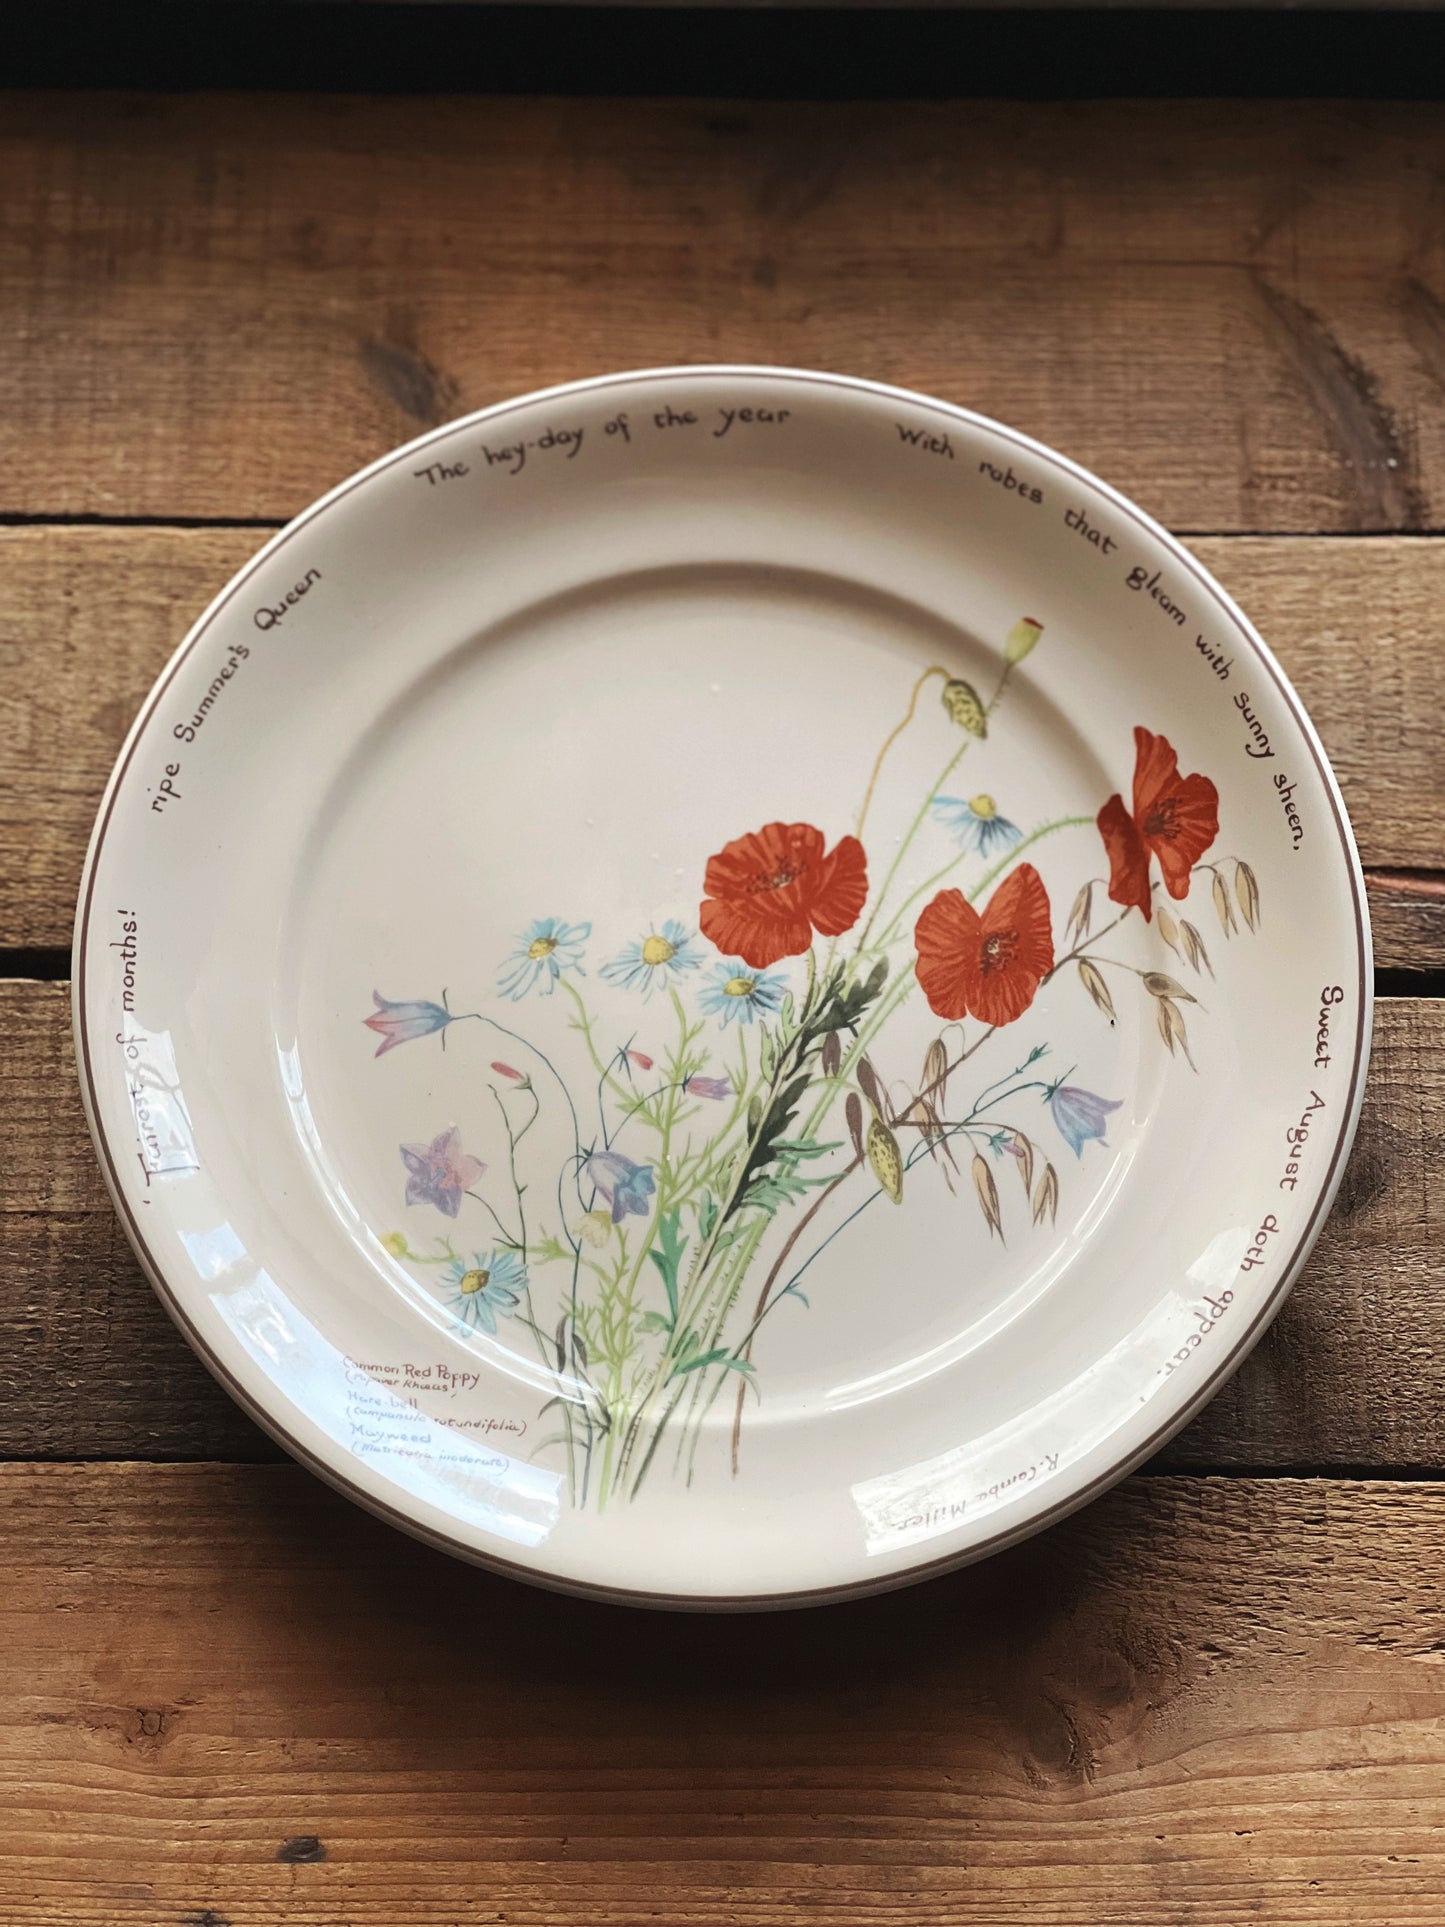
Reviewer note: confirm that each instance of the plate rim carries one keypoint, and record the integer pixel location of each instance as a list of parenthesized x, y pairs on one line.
[(1069, 1501)]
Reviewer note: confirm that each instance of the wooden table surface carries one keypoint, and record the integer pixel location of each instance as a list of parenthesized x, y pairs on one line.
[(229, 1699)]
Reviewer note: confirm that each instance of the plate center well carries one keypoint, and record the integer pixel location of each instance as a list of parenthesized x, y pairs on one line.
[(658, 1093)]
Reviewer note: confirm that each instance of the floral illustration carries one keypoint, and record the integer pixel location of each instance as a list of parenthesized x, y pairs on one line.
[(544, 950), (737, 994), (836, 1020), (1078, 1115), (988, 966), (626, 1186), (438, 1173), (650, 962), (767, 893), (976, 824), (399, 1023), (485, 1287), (1175, 819)]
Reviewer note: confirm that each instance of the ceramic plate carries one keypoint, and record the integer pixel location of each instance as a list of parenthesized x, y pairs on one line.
[(722, 986)]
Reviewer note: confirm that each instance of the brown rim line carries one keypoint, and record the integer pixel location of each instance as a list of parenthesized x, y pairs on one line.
[(1249, 1335)]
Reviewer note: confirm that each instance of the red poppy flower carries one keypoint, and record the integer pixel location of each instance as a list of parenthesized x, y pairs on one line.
[(1176, 818), (770, 890), (988, 966)]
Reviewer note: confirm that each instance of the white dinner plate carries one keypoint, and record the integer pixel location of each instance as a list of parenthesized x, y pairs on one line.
[(722, 986)]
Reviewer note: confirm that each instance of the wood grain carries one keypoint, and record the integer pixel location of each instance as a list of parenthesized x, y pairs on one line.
[(89, 615), (1352, 1373), (225, 304), (1407, 914), (230, 1698)]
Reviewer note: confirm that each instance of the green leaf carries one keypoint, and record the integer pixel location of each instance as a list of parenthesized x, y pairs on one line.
[(706, 1216), (773, 1192), (667, 1256), (697, 1363), (653, 1321), (804, 1148)]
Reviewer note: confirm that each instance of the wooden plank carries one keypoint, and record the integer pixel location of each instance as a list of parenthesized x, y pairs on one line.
[(89, 615), (227, 303), (232, 1699), (1407, 913), (1352, 1373)]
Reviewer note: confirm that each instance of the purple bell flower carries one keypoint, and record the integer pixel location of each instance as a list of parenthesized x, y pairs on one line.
[(627, 1187), (1079, 1115), (399, 1023)]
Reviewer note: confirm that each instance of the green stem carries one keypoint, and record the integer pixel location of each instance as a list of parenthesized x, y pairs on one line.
[(583, 1023), (917, 824), (890, 739)]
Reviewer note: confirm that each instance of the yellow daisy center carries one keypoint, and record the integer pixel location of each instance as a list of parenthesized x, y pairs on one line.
[(541, 947), (983, 806), (740, 986), (477, 1280), (657, 950)]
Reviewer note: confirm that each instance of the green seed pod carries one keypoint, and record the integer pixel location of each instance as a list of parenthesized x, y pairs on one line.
[(886, 1159), (961, 701), (1021, 638)]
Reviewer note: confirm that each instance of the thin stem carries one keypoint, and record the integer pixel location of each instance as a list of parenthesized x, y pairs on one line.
[(965, 1125), (949, 767), (517, 1187), (891, 739), (584, 1024), (512, 1244), (744, 1350)]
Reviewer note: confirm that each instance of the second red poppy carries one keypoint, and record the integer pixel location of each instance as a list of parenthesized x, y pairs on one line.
[(987, 966), (1175, 819)]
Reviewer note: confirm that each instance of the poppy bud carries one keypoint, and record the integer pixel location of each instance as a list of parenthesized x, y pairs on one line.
[(886, 1159), (395, 1243), (961, 701), (1021, 638)]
